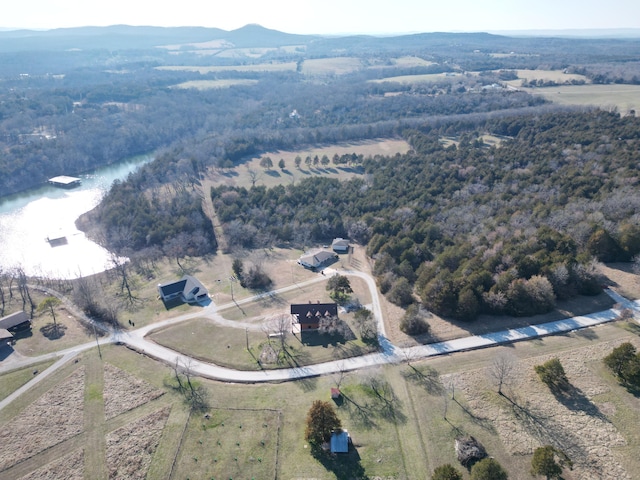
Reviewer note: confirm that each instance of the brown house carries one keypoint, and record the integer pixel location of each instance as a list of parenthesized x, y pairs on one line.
[(15, 321), (308, 315)]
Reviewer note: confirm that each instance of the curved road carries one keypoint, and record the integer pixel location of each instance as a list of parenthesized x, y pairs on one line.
[(137, 340)]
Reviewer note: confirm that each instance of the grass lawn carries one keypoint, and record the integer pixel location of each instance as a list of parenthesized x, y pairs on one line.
[(12, 381), (228, 346), (230, 443)]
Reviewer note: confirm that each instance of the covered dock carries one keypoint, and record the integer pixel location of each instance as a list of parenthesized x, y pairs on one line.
[(64, 181)]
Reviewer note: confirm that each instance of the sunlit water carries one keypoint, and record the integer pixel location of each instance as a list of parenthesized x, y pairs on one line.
[(28, 219)]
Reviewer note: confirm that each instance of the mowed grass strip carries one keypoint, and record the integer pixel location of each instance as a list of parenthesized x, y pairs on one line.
[(12, 381), (230, 444)]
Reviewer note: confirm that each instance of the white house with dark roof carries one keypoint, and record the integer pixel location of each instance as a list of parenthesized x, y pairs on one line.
[(316, 258), (188, 289)]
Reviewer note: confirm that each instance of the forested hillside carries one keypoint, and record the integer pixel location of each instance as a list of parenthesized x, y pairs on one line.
[(461, 226), (471, 228)]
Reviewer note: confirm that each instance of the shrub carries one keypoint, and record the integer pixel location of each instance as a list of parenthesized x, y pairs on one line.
[(413, 322), (552, 374), (446, 472), (488, 469)]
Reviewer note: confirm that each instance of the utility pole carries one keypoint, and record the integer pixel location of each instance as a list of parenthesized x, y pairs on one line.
[(96, 335), (246, 334)]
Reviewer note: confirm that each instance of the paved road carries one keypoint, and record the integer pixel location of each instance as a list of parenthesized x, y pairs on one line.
[(137, 340)]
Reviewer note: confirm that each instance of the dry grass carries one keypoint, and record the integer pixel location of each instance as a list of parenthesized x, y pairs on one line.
[(53, 418), (331, 66), (131, 448), (214, 84), (623, 98), (557, 76), (124, 392), (424, 78), (260, 67), (239, 176), (69, 467), (586, 428)]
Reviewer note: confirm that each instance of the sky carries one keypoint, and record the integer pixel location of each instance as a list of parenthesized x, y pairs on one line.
[(329, 16)]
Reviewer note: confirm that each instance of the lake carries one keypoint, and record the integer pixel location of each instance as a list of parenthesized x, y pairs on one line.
[(27, 219)]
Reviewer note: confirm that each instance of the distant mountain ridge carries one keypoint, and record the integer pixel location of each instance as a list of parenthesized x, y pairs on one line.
[(142, 37), (126, 37)]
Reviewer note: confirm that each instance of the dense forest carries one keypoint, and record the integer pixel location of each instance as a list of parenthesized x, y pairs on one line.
[(469, 228), (76, 99)]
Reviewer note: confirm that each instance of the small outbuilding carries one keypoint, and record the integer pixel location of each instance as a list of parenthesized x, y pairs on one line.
[(340, 441), (188, 289), (340, 245), (15, 321)]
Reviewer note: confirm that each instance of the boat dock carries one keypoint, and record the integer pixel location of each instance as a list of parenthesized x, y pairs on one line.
[(64, 181)]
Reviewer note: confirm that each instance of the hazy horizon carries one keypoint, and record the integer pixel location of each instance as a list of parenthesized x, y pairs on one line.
[(332, 17)]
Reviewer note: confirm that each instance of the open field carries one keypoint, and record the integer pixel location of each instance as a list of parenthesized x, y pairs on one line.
[(412, 62), (424, 78), (399, 432), (557, 76), (260, 67), (239, 176), (212, 84), (624, 98), (331, 66)]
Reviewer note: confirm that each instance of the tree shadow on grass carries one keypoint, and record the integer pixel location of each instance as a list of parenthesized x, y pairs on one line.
[(345, 466), (359, 411), (483, 422), (586, 333), (372, 400), (53, 331), (316, 339), (273, 173), (424, 376), (574, 399), (546, 429)]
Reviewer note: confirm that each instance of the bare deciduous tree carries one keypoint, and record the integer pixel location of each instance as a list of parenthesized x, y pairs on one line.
[(121, 267), (502, 371)]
